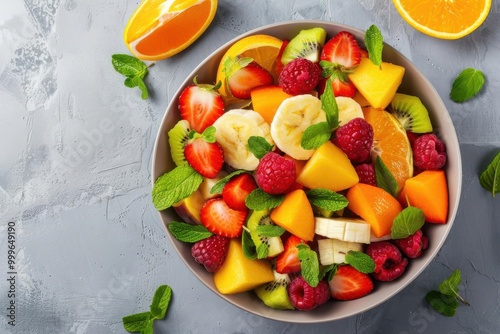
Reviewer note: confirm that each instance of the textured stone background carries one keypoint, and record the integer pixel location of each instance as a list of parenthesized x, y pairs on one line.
[(75, 171)]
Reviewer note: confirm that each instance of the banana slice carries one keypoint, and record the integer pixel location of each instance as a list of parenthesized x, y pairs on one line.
[(233, 129), (348, 109), (292, 118)]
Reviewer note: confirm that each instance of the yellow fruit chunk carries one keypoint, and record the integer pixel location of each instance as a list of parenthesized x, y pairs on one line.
[(375, 205), (377, 84), (444, 19), (240, 274), (328, 168), (267, 99), (189, 208), (295, 215), (159, 29)]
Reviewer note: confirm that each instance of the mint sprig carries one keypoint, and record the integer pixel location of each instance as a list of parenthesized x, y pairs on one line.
[(259, 146), (260, 200), (490, 177), (467, 84), (374, 42), (360, 261), (327, 199), (188, 233), (407, 222), (447, 299), (174, 186), (134, 69), (384, 177), (143, 322), (309, 264), (249, 249), (269, 230)]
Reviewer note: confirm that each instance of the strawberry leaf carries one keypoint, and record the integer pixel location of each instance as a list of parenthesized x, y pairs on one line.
[(490, 177), (188, 233), (174, 186), (374, 42), (466, 85)]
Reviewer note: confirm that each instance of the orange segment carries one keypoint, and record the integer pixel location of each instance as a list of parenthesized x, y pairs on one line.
[(391, 143), (446, 19), (263, 49), (162, 28)]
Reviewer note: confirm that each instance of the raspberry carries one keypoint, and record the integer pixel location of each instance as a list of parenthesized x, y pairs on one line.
[(389, 263), (211, 252), (413, 245), (366, 173), (355, 138), (275, 174), (304, 297), (429, 152), (299, 76)]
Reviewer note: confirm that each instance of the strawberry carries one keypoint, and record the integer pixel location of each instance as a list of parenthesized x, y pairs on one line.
[(220, 219), (341, 85), (340, 55), (348, 283), (237, 189), (201, 105), (279, 65), (243, 75), (204, 154), (288, 261)]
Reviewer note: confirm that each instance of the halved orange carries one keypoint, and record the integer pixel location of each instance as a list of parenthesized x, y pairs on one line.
[(263, 49), (159, 29), (445, 19), (391, 143)]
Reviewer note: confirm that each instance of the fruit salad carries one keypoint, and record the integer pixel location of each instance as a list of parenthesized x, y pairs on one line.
[(302, 174)]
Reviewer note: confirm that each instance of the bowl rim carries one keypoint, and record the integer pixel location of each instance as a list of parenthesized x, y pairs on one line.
[(276, 314)]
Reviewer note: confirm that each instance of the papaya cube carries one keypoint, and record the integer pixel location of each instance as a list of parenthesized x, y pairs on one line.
[(267, 99)]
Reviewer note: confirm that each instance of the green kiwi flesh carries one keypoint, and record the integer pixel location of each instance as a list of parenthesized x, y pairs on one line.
[(178, 137), (307, 44), (411, 113), (274, 294), (272, 245)]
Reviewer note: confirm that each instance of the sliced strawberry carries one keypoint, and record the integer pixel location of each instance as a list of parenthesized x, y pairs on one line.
[(342, 49), (340, 84), (288, 260), (279, 65), (243, 75), (237, 189), (348, 283), (207, 158), (201, 105), (220, 219)]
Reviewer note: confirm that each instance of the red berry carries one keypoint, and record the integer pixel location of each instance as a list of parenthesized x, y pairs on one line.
[(237, 189), (299, 76), (288, 261), (429, 152), (275, 174), (389, 263), (322, 293), (220, 219), (413, 245), (348, 283), (366, 173), (355, 138), (206, 158), (305, 297), (211, 252)]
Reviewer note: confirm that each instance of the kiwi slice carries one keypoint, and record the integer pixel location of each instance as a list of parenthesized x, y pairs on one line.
[(274, 294), (411, 113), (178, 137), (265, 246), (306, 44)]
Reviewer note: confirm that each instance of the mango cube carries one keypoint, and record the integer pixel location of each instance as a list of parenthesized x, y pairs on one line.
[(377, 84), (240, 274)]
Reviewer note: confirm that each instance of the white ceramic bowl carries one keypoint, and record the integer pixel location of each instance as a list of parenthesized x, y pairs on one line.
[(413, 83)]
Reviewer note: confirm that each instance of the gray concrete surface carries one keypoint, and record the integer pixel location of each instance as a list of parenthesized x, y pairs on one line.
[(90, 247)]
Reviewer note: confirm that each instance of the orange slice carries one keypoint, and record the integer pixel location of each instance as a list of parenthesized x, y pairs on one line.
[(262, 48), (159, 29), (446, 19), (391, 143)]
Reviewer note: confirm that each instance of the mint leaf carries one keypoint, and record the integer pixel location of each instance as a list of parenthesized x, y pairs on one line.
[(217, 188), (134, 69), (259, 200), (374, 42), (136, 322), (362, 262), (329, 106), (174, 186), (407, 222), (160, 302), (466, 85), (384, 177), (450, 285), (248, 245), (446, 305), (490, 177), (329, 270), (188, 233), (259, 146), (309, 264), (269, 230), (315, 135), (327, 199), (209, 134), (262, 251)]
